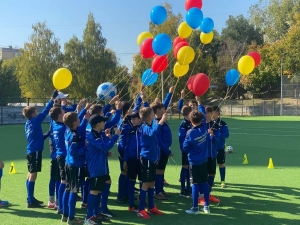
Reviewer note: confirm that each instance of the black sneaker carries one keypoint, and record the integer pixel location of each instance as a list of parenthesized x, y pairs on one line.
[(184, 194), (35, 204)]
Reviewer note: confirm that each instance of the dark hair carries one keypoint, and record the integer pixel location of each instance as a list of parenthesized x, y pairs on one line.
[(70, 118), (95, 109), (55, 112), (145, 113), (194, 101), (196, 117), (125, 108), (28, 112), (208, 109), (216, 108), (156, 105), (186, 110)]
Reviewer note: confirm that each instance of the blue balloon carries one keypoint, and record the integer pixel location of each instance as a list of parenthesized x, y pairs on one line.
[(207, 25), (158, 15), (194, 17), (232, 77), (162, 44), (149, 77)]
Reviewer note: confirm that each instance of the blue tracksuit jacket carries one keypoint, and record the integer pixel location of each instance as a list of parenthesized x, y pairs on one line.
[(184, 127), (59, 131), (224, 133), (212, 142), (133, 146)]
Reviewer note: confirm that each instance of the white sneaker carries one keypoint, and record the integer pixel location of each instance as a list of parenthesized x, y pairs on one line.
[(206, 210)]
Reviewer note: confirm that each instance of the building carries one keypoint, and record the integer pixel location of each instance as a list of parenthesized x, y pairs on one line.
[(8, 53)]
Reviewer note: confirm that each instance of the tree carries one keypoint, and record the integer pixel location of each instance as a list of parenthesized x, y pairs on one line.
[(274, 17), (9, 86), (90, 62), (39, 59)]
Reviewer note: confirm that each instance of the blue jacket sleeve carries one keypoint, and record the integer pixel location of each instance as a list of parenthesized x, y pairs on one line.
[(81, 114), (186, 144), (127, 142), (180, 105), (202, 109), (138, 103), (224, 132), (82, 127), (163, 147), (146, 104), (114, 120), (108, 114), (167, 100), (216, 136), (106, 109), (73, 108), (149, 131), (104, 145), (76, 149), (182, 135), (42, 115)]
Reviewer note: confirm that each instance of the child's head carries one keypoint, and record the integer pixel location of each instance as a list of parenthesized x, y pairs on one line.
[(135, 118), (158, 109), (186, 110), (147, 114), (216, 112), (60, 97), (196, 118), (29, 112), (209, 112), (71, 120), (194, 104), (126, 109), (56, 114), (96, 109), (97, 122)]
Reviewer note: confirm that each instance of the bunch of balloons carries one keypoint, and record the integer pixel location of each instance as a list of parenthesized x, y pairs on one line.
[(62, 78), (198, 84)]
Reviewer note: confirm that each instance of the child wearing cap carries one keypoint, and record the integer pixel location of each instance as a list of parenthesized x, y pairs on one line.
[(99, 144)]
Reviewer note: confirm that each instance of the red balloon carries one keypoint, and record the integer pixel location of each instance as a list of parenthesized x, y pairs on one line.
[(201, 84), (190, 82), (177, 40), (178, 47), (193, 3), (159, 63), (146, 48), (256, 57)]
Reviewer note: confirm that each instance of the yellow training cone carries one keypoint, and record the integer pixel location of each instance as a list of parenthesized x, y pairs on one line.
[(270, 166), (12, 169), (245, 161)]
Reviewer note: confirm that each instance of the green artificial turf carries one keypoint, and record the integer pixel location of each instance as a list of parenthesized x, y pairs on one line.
[(255, 194)]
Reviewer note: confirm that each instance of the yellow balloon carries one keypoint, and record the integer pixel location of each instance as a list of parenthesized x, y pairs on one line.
[(142, 36), (180, 70), (246, 65), (184, 30), (185, 55), (206, 38), (62, 78)]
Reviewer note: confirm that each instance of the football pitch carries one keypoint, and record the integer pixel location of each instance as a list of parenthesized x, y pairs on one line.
[(254, 193)]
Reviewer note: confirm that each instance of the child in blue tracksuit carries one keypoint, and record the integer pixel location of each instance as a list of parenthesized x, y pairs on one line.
[(96, 159), (184, 127), (132, 156), (35, 146), (150, 154), (75, 159), (195, 145), (195, 104), (224, 133)]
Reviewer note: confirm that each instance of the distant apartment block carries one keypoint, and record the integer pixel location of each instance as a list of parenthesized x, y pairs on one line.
[(8, 53)]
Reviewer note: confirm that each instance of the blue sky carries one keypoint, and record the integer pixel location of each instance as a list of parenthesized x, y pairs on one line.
[(121, 20)]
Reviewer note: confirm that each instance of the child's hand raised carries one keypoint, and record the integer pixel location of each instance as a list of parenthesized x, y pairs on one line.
[(117, 131), (182, 94), (119, 105), (171, 90), (87, 116), (114, 99), (88, 105)]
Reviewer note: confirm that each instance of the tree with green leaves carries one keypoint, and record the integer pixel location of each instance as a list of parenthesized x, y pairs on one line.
[(39, 59)]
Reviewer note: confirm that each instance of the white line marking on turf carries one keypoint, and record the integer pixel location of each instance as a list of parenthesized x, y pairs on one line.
[(271, 135)]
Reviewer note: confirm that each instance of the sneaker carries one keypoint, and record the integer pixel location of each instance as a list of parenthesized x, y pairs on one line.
[(40, 202), (223, 185), (155, 211), (35, 204), (59, 212), (192, 211), (206, 210), (90, 221), (3, 203), (184, 194), (51, 205), (213, 199), (64, 219), (100, 218), (160, 196), (166, 194), (83, 205), (133, 209), (143, 214), (188, 191), (108, 213), (201, 201), (55, 207), (165, 182), (74, 221)]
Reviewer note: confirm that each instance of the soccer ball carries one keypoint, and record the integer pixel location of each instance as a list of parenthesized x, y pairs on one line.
[(229, 149), (106, 91)]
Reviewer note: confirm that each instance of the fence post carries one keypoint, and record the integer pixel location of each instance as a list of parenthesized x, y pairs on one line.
[(230, 109), (253, 107), (28, 101), (273, 107), (264, 108), (242, 107), (297, 107)]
